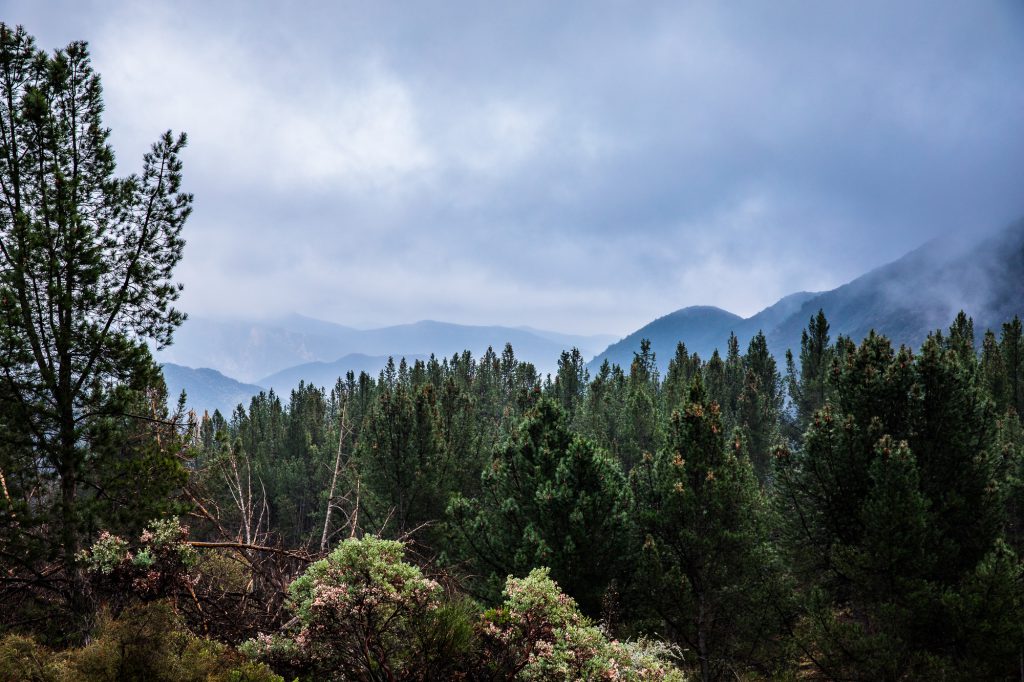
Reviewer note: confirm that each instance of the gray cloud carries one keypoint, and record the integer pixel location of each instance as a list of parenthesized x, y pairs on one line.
[(583, 167)]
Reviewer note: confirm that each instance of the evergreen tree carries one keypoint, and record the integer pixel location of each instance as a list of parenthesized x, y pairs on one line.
[(641, 428), (402, 462), (759, 409), (603, 420), (961, 339), (893, 508), (570, 385), (1012, 345), (86, 262), (808, 387), (550, 499), (681, 370), (706, 562), (993, 372)]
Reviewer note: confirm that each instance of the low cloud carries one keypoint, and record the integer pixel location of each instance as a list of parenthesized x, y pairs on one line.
[(584, 167)]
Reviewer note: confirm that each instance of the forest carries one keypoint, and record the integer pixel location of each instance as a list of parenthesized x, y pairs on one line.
[(849, 510)]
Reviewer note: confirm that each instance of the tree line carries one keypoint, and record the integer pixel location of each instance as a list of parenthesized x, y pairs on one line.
[(859, 513)]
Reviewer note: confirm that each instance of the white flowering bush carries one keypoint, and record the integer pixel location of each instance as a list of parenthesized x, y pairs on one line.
[(161, 561), (539, 634), (364, 614)]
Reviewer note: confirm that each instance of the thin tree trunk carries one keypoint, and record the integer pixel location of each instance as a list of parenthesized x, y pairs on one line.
[(702, 645), (342, 425)]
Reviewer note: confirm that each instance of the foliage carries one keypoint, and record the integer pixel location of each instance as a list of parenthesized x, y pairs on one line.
[(86, 265), (146, 642), (894, 508), (549, 498), (364, 614), (538, 633), (707, 570)]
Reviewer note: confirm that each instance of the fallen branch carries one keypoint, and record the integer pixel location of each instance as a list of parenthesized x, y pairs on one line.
[(256, 548)]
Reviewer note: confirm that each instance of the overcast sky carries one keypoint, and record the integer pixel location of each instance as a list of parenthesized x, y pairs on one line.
[(582, 166)]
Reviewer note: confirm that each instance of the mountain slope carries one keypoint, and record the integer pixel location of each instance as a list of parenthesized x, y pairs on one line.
[(251, 349), (905, 300), (923, 291), (703, 328), (206, 389)]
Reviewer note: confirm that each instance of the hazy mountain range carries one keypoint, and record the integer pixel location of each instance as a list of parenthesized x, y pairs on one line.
[(905, 300), (249, 355)]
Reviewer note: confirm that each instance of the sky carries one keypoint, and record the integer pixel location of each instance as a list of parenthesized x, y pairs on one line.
[(577, 166)]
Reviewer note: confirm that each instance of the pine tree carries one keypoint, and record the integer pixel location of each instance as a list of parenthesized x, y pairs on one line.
[(552, 499), (893, 506), (402, 462), (961, 339), (603, 417), (706, 565), (641, 428), (993, 372), (759, 409), (86, 262), (1012, 345), (681, 370), (808, 387), (570, 385)]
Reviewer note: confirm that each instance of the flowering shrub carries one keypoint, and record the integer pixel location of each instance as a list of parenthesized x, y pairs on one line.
[(364, 614), (539, 634), (162, 560), (107, 554)]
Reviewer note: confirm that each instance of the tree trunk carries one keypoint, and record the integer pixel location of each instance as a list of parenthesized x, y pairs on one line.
[(702, 644)]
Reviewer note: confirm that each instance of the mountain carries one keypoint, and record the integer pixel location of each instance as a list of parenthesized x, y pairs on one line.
[(568, 341), (702, 328), (206, 389), (924, 291), (325, 374), (251, 349), (904, 300)]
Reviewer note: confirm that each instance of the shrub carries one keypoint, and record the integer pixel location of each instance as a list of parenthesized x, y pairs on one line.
[(539, 634), (25, 660), (161, 563), (147, 642), (363, 614)]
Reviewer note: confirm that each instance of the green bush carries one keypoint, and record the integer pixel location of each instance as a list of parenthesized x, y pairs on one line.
[(22, 659), (147, 642), (364, 614)]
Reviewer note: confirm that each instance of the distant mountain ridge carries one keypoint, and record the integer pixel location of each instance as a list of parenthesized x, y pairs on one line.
[(325, 374), (252, 350), (702, 328), (905, 300), (278, 354)]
